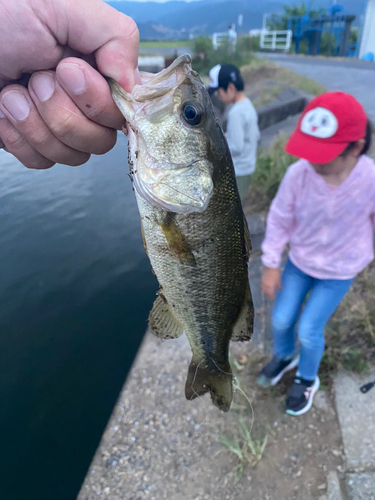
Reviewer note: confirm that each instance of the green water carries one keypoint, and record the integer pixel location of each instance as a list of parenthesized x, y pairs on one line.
[(75, 291)]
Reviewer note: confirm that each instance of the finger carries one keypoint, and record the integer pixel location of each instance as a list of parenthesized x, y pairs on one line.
[(17, 145), (65, 120), (113, 36), (89, 91), (21, 112)]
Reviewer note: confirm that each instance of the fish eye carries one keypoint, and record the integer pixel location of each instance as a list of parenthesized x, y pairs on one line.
[(191, 113)]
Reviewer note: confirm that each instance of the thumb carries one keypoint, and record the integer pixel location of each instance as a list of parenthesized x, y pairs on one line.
[(92, 26)]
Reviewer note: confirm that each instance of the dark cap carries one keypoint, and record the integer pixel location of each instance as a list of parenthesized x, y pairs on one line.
[(223, 75)]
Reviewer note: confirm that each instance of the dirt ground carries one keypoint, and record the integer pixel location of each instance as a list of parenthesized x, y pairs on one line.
[(159, 446)]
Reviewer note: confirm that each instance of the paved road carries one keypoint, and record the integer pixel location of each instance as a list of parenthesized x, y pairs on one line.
[(355, 77)]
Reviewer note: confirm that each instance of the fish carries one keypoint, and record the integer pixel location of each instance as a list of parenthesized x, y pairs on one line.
[(193, 226)]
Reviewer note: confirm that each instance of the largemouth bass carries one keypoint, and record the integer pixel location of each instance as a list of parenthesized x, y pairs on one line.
[(194, 230)]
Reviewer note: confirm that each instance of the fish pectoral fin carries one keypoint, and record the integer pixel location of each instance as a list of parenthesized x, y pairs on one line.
[(205, 375), (243, 328), (162, 321), (176, 241)]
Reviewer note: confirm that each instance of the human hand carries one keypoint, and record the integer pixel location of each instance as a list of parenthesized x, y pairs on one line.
[(66, 112), (271, 282)]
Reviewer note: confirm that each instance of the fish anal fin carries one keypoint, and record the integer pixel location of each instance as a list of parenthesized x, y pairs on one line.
[(206, 376), (163, 323), (243, 328)]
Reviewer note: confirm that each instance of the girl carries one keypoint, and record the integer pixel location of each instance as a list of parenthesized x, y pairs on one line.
[(325, 210)]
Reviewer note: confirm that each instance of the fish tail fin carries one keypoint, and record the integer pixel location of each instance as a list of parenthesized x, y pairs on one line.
[(207, 375)]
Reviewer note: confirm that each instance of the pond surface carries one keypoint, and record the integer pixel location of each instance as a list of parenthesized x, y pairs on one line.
[(75, 291)]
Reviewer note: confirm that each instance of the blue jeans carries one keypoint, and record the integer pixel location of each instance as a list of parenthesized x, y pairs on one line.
[(324, 298)]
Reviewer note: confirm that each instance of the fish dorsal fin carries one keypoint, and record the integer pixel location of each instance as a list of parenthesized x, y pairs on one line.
[(243, 329), (162, 321)]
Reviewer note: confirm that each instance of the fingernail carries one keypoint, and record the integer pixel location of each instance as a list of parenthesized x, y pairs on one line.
[(43, 85), (16, 103), (72, 77)]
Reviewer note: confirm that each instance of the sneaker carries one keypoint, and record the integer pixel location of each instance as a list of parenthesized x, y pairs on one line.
[(275, 369), (301, 396)]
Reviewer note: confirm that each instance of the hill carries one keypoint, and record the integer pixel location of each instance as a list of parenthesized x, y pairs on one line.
[(179, 19)]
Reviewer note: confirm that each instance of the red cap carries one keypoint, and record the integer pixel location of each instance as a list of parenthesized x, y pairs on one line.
[(328, 124)]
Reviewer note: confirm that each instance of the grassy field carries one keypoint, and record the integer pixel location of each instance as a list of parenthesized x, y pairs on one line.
[(265, 80), (163, 44)]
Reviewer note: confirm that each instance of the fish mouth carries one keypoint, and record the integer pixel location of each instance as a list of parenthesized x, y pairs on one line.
[(179, 188), (165, 195)]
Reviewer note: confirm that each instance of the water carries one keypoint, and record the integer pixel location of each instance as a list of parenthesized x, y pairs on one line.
[(75, 291)]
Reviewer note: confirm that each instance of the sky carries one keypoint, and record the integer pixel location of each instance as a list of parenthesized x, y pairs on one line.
[(158, 1)]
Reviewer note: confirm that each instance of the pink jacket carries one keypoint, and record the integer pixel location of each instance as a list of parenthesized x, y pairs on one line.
[(330, 231)]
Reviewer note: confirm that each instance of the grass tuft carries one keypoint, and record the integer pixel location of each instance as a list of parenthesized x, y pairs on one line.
[(249, 451)]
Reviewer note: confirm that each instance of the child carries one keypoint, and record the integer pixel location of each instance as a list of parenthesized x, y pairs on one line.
[(242, 122), (325, 210)]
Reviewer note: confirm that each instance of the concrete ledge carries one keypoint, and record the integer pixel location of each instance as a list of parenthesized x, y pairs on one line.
[(361, 486), (356, 416), (289, 102), (257, 228), (333, 488)]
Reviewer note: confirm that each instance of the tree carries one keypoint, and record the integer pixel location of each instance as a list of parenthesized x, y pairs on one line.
[(280, 22)]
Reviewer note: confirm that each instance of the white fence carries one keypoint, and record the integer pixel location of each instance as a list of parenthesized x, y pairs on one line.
[(220, 38), (276, 40)]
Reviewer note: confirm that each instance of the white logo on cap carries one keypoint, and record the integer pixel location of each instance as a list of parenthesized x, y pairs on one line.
[(319, 122)]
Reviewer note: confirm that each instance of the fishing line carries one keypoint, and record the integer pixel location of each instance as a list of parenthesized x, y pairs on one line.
[(237, 387), (197, 395)]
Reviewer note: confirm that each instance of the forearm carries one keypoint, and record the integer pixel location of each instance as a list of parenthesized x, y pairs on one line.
[(278, 232)]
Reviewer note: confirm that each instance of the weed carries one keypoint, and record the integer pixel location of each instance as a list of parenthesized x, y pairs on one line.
[(249, 451), (271, 167), (354, 361), (168, 44), (260, 70), (205, 57), (304, 83)]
